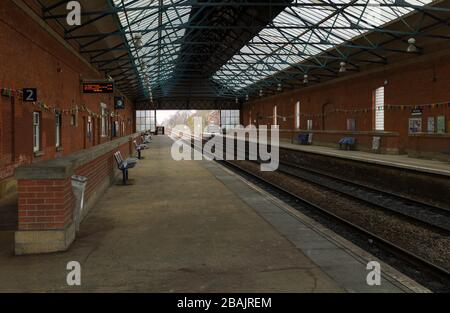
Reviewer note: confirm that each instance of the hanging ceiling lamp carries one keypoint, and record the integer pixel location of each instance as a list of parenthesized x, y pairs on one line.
[(412, 45), (260, 92), (279, 88), (342, 68), (137, 39), (305, 79), (246, 97)]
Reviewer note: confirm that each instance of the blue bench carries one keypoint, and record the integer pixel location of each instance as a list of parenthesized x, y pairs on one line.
[(146, 138), (139, 148), (124, 165), (305, 139), (347, 143)]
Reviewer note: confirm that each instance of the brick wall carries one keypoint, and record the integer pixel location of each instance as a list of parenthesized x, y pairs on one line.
[(419, 80), (45, 204), (48, 204), (31, 57), (99, 169)]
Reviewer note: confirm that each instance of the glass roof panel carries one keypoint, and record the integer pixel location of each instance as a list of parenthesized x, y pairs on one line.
[(154, 36), (307, 28)]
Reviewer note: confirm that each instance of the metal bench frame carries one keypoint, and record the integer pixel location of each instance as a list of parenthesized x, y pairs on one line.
[(347, 142), (139, 148), (305, 138), (123, 166)]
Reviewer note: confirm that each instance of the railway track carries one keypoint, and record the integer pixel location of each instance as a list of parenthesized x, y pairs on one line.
[(412, 209), (439, 273), (421, 213)]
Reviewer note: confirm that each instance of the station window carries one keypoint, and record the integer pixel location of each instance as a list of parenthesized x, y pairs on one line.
[(116, 129), (379, 108), (89, 128), (73, 120), (297, 115), (309, 124), (58, 120), (36, 131), (229, 119), (104, 121), (275, 115), (351, 124), (145, 120)]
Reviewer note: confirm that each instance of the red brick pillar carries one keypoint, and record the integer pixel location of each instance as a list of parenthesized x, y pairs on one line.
[(45, 215), (45, 204)]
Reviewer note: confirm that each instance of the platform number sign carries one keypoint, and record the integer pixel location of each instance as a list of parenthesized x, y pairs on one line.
[(29, 94)]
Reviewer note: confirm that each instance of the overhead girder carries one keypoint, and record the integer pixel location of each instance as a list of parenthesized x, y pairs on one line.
[(232, 48)]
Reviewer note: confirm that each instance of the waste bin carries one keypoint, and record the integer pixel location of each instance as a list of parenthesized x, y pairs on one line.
[(78, 187)]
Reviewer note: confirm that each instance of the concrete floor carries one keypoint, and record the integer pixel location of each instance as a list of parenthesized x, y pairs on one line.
[(177, 229)]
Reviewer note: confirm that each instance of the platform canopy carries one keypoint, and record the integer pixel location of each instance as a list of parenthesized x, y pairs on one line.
[(218, 52)]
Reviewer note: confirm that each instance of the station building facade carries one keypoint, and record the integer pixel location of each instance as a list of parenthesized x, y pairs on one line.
[(407, 105), (63, 119)]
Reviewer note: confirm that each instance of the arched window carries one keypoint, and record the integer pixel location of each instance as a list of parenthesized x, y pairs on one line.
[(297, 115)]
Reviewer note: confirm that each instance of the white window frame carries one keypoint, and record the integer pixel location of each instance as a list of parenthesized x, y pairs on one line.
[(58, 122), (73, 120), (104, 119), (297, 115), (379, 108), (36, 131), (229, 119), (89, 128), (145, 120)]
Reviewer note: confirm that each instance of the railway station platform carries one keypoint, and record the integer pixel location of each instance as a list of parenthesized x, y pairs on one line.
[(193, 226), (401, 161)]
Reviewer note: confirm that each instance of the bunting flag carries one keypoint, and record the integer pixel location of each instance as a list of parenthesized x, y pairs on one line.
[(74, 109)]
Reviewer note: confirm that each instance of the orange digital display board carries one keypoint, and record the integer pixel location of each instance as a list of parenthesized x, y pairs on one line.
[(98, 87)]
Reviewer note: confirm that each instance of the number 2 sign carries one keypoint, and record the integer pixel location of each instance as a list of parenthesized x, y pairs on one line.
[(29, 94)]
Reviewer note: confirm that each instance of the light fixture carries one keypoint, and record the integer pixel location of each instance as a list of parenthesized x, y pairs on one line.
[(342, 68), (246, 97), (260, 92), (305, 79), (412, 45), (279, 87), (137, 39), (236, 100)]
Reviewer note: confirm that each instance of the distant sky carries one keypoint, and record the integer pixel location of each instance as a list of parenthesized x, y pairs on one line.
[(162, 115)]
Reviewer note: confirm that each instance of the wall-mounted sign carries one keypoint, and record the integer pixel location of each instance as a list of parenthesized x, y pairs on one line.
[(119, 103), (29, 94), (441, 124), (98, 87), (351, 124), (430, 124), (416, 111), (415, 125), (376, 143)]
